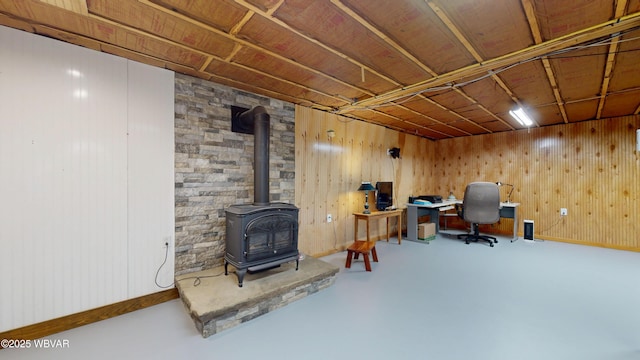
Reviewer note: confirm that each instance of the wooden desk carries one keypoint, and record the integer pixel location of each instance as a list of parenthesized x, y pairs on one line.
[(378, 215), (414, 211)]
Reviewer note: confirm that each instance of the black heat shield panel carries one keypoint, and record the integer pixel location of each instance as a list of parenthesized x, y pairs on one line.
[(237, 125)]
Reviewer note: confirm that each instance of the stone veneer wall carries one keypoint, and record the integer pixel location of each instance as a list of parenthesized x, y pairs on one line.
[(214, 166)]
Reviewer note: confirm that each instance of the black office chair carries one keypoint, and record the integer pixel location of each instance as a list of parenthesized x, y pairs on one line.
[(481, 205)]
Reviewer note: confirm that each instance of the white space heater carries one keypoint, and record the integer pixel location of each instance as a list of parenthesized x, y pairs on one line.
[(528, 229)]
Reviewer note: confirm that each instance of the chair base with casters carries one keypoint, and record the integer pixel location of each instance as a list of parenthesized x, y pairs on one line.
[(475, 236)]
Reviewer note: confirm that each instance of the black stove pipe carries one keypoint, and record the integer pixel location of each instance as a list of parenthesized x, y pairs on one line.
[(261, 132)]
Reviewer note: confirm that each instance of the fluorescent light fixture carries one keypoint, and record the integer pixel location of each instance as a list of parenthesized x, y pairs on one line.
[(521, 116)]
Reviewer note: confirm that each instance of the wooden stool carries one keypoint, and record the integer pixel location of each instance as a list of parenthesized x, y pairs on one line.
[(362, 247)]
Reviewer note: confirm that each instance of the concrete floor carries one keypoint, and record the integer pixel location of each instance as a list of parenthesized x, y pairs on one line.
[(445, 300)]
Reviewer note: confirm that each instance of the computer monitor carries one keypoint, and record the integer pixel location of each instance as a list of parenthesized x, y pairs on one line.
[(384, 198)]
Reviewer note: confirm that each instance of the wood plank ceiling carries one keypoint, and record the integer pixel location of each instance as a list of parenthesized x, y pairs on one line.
[(434, 68)]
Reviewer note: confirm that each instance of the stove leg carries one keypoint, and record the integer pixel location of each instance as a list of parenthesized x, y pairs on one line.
[(240, 274), (297, 263), (226, 264)]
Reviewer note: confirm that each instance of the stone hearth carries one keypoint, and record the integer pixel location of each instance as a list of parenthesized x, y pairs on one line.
[(216, 303)]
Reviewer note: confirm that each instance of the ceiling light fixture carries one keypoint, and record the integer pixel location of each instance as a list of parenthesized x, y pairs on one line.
[(521, 117)]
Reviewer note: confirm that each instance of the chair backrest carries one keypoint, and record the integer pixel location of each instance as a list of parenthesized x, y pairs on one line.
[(481, 203)]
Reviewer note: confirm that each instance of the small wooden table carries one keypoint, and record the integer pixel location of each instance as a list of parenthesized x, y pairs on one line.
[(378, 215)]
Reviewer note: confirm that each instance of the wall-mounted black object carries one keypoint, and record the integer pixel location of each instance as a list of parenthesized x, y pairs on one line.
[(394, 152), (241, 124)]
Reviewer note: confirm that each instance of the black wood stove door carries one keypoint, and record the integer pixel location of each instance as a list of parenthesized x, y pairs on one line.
[(270, 236)]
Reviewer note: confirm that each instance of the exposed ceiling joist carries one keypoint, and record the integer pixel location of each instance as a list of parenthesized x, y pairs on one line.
[(621, 6), (537, 36), (432, 68), (490, 66)]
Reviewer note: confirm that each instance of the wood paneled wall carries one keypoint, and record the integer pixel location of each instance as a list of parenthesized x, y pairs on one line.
[(330, 170), (591, 168)]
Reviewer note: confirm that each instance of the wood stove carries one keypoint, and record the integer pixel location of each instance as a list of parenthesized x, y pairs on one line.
[(261, 237), (263, 234)]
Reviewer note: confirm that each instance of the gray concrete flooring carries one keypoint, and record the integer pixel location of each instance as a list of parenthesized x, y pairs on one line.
[(445, 300)]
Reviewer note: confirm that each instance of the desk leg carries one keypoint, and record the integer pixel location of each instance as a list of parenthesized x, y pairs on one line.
[(387, 229), (355, 229), (434, 217), (412, 223), (399, 228), (515, 224), (368, 237)]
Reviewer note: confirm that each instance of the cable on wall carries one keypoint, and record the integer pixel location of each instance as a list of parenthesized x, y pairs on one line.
[(166, 256), (196, 282)]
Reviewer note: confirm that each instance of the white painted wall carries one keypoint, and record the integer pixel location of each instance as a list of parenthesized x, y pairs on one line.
[(86, 178)]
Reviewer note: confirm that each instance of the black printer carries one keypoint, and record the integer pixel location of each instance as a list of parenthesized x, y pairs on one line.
[(430, 198), (433, 198)]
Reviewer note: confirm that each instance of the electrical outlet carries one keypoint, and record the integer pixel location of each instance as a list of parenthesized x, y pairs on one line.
[(329, 218), (563, 211)]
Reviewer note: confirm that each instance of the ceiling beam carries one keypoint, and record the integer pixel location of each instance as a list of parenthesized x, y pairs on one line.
[(412, 124), (399, 105), (383, 36), (270, 17), (591, 98), (487, 67), (387, 39), (97, 45), (611, 56), (530, 13), (438, 105), (232, 35), (275, 7), (418, 63), (621, 7), (211, 57), (467, 45), (77, 6)]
